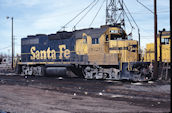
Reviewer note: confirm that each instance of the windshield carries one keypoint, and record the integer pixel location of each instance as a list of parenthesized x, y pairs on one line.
[(116, 37)]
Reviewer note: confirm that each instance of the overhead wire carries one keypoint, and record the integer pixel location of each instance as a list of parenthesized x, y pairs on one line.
[(131, 15), (141, 13), (145, 6), (5, 48), (85, 14), (97, 14), (78, 15), (129, 20), (134, 22)]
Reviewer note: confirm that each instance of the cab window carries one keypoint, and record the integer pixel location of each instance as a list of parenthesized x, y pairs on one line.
[(95, 40), (85, 39), (107, 38), (115, 37), (165, 40)]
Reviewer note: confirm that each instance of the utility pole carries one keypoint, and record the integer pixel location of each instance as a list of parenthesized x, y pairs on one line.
[(171, 35), (12, 36), (160, 46), (155, 72), (12, 42)]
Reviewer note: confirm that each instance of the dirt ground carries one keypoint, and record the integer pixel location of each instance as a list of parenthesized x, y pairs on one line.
[(22, 94)]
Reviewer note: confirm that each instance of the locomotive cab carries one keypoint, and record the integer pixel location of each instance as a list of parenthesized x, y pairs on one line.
[(107, 40), (118, 42)]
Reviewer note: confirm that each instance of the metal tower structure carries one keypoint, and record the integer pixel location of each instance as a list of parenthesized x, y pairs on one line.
[(115, 12)]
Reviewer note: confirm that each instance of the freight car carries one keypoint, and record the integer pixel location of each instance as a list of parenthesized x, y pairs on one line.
[(94, 53)]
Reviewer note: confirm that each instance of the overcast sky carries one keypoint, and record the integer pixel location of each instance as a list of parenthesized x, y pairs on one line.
[(48, 16)]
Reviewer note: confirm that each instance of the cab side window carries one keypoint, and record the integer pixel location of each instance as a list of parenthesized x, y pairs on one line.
[(107, 38), (165, 40), (95, 40), (85, 39)]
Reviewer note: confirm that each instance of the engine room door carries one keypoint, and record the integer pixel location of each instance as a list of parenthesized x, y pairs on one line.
[(107, 44)]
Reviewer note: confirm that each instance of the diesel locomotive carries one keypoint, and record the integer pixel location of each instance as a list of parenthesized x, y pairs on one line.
[(163, 48), (93, 53)]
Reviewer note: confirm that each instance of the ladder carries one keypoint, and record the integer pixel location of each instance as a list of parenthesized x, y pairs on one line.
[(164, 71)]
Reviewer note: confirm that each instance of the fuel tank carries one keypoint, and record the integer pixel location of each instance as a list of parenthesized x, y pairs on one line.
[(56, 71)]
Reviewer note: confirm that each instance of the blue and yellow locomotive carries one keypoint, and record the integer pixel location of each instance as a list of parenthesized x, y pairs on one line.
[(94, 53)]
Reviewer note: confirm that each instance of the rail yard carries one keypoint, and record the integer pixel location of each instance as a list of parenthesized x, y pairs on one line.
[(28, 94)]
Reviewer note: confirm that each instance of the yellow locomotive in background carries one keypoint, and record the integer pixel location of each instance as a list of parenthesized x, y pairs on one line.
[(165, 48)]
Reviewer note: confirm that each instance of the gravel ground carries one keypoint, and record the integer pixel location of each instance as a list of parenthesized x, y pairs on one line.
[(23, 94)]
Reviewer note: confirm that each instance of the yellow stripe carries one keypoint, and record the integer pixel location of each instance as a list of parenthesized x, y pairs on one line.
[(33, 63), (56, 52), (25, 53)]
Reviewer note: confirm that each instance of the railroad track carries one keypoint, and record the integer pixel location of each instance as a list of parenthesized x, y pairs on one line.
[(96, 88)]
